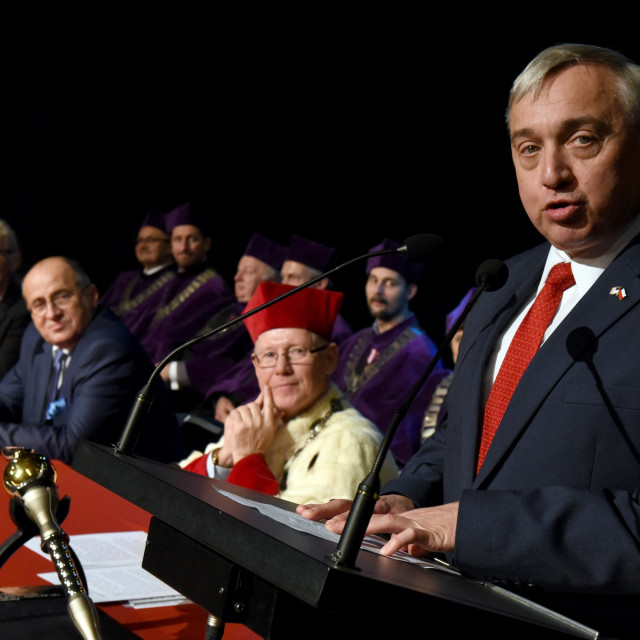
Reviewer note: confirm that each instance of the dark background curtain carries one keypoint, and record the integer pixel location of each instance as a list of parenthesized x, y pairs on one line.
[(344, 131)]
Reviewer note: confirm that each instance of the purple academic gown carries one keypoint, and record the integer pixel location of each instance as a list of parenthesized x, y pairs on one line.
[(377, 372), (134, 296), (341, 330), (186, 304), (208, 360), (238, 383)]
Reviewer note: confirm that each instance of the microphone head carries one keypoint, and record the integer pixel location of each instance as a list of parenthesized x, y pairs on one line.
[(492, 274), (582, 344), (421, 247)]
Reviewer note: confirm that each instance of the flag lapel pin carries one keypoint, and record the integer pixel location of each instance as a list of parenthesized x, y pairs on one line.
[(619, 292)]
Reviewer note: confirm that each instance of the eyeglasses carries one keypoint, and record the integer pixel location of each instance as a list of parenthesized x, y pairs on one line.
[(294, 355), (60, 300), (152, 240)]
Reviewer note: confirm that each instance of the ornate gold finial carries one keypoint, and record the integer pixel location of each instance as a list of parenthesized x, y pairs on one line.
[(25, 470)]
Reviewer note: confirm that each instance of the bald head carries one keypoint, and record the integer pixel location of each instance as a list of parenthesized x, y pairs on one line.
[(61, 300)]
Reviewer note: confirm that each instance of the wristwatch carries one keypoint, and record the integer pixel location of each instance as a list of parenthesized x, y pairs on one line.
[(214, 456)]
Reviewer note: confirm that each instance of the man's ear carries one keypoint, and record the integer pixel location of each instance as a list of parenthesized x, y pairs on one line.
[(331, 357), (413, 289), (93, 294)]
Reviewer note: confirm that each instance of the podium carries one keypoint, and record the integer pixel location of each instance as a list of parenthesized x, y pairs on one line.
[(245, 567)]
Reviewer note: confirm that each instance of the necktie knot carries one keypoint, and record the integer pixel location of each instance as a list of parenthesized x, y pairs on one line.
[(58, 358), (561, 276)]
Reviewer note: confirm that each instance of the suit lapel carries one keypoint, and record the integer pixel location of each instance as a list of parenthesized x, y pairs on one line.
[(495, 311), (43, 366), (596, 313)]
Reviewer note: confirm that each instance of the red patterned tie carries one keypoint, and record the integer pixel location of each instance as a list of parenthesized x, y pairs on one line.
[(524, 345)]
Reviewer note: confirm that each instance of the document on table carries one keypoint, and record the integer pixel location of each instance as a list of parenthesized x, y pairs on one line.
[(112, 565), (370, 543)]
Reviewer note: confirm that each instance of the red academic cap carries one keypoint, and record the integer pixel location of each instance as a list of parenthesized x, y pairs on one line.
[(311, 308)]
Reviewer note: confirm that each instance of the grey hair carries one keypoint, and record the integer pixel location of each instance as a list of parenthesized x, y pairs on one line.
[(552, 60), (271, 273), (82, 277)]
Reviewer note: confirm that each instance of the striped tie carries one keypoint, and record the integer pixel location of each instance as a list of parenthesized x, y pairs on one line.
[(54, 382)]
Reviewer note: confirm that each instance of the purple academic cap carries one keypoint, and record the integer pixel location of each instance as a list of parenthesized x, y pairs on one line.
[(155, 218), (452, 316), (187, 213), (269, 251), (410, 271), (310, 253)]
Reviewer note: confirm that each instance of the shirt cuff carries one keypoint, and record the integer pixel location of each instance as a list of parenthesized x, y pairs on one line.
[(253, 472), (173, 375)]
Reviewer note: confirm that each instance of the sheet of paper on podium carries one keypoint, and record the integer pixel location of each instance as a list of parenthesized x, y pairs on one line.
[(375, 543), (370, 543), (112, 564)]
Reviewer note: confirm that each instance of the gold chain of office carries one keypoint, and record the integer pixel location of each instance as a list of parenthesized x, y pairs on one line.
[(314, 430)]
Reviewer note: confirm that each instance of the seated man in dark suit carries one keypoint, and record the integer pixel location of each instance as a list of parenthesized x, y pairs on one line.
[(101, 367)]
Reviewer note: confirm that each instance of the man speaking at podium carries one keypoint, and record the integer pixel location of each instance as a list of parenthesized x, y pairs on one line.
[(536, 483)]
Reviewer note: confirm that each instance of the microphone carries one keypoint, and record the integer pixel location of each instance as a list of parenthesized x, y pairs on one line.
[(490, 276), (30, 478), (417, 248)]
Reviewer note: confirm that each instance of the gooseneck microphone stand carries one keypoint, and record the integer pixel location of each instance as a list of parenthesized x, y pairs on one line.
[(491, 275)]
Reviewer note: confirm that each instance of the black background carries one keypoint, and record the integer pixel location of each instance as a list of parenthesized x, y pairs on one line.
[(342, 130)]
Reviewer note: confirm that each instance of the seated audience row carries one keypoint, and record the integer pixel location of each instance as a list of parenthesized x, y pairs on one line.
[(377, 367), (373, 371)]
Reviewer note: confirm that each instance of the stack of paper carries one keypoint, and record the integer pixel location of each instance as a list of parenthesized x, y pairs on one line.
[(112, 565)]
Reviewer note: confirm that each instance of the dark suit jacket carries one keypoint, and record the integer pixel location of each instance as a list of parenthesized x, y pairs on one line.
[(556, 503), (14, 319), (108, 368)]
